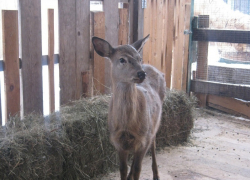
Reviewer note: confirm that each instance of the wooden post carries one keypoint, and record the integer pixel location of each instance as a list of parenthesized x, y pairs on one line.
[(123, 26), (67, 36), (202, 61), (99, 62), (31, 55), (186, 47), (51, 59), (11, 62)]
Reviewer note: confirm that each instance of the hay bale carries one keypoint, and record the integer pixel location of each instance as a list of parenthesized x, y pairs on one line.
[(73, 144), (177, 119)]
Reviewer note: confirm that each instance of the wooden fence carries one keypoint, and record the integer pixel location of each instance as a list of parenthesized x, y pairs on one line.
[(228, 97), (82, 72)]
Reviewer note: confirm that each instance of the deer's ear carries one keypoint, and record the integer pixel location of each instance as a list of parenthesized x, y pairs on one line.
[(138, 45), (102, 47)]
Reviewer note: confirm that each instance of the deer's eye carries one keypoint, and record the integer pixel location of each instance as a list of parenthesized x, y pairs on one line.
[(122, 61)]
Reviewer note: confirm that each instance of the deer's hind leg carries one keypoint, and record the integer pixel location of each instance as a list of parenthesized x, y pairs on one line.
[(154, 163), (135, 170), (123, 156)]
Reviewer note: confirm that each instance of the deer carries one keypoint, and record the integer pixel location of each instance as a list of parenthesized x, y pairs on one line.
[(136, 104)]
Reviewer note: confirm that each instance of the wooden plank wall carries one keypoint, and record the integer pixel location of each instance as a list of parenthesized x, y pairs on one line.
[(31, 56), (76, 67), (163, 20), (167, 48)]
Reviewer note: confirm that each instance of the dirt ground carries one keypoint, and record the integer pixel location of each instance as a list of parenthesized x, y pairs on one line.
[(219, 148)]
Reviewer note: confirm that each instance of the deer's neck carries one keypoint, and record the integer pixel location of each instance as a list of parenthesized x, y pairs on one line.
[(125, 102)]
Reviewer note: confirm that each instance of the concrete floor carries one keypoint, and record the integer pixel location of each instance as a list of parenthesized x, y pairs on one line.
[(219, 148)]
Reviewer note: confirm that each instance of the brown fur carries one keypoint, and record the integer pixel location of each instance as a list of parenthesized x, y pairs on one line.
[(135, 109)]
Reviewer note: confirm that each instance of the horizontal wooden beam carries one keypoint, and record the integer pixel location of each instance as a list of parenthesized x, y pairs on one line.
[(229, 105), (44, 61), (216, 35), (221, 89)]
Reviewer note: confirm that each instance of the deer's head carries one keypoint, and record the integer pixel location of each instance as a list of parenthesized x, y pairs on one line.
[(126, 60)]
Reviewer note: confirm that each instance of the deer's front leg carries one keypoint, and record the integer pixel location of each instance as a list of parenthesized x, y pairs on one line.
[(123, 156)]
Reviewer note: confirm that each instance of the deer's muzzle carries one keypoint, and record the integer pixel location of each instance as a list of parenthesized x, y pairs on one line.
[(141, 75)]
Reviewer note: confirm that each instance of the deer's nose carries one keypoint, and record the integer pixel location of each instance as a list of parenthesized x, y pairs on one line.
[(141, 75)]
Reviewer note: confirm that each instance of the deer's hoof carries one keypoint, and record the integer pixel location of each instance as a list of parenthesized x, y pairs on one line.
[(156, 179)]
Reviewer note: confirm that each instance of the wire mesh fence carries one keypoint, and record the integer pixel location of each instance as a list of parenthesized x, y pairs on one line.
[(223, 62)]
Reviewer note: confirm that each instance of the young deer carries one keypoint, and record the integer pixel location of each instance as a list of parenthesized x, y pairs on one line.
[(136, 104)]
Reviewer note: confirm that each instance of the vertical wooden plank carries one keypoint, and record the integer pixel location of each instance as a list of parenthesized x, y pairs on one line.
[(140, 20), (51, 42), (131, 22), (178, 46), (202, 61), (159, 37), (111, 34), (67, 37), (123, 26), (153, 60), (82, 44), (164, 36), (169, 46), (99, 62), (31, 55), (147, 30), (186, 47), (11, 62)]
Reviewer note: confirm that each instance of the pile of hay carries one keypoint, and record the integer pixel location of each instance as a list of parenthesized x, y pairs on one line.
[(177, 119), (74, 144)]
